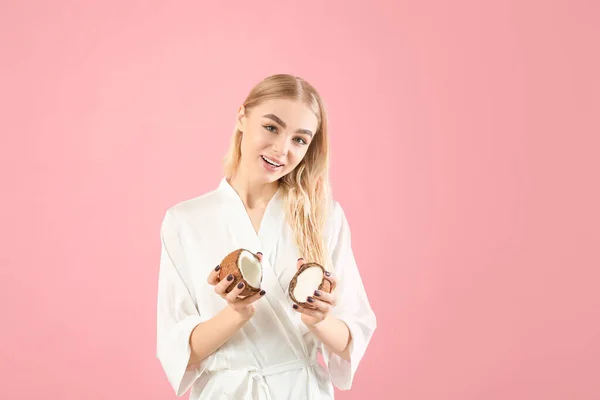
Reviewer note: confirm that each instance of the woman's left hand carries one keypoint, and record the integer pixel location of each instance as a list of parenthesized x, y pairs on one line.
[(320, 304)]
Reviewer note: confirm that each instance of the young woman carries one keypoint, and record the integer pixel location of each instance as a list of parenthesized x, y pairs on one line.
[(274, 200)]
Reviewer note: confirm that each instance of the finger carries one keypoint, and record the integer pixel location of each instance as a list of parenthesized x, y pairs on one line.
[(223, 285), (300, 263), (308, 311), (260, 256), (319, 304), (233, 295), (330, 298), (331, 278), (213, 277), (251, 299)]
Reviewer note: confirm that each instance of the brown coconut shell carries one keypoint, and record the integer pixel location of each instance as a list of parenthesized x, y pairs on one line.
[(325, 285), (229, 265)]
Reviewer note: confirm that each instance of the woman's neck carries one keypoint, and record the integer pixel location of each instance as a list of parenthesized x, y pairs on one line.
[(253, 194)]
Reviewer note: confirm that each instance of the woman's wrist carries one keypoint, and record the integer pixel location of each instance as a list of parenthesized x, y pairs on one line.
[(240, 317)]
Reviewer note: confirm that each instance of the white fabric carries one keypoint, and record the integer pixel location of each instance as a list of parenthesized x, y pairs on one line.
[(273, 356)]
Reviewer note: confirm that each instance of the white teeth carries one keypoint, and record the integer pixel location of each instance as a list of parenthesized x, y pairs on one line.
[(271, 162)]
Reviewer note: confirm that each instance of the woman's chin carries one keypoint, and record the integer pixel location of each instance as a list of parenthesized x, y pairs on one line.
[(261, 177), (271, 178), (269, 175)]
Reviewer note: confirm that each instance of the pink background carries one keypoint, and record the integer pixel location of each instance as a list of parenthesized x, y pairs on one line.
[(465, 153)]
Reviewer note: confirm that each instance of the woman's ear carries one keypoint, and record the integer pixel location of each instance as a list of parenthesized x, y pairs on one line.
[(241, 119)]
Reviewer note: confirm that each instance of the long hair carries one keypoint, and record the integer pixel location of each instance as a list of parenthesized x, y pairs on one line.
[(305, 190)]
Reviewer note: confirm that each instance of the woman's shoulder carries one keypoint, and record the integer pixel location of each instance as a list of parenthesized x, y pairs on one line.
[(335, 218), (204, 204)]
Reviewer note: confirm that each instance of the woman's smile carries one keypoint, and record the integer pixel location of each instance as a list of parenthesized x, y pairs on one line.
[(271, 165)]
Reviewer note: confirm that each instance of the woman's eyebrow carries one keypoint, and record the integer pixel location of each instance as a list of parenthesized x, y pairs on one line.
[(284, 125)]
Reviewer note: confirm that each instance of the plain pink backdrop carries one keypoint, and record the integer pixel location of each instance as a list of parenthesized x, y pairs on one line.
[(464, 151)]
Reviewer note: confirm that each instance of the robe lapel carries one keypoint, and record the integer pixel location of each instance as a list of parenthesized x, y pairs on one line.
[(277, 306)]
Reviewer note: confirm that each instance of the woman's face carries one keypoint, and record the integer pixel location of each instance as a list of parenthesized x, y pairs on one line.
[(275, 137)]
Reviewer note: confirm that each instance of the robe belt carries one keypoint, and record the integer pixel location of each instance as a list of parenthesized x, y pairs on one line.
[(257, 375)]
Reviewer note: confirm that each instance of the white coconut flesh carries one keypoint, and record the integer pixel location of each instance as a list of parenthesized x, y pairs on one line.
[(307, 282), (250, 269)]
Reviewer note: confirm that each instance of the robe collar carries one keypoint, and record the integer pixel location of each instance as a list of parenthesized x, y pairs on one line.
[(265, 241)]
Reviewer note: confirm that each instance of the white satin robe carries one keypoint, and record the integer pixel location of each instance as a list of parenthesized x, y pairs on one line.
[(274, 355)]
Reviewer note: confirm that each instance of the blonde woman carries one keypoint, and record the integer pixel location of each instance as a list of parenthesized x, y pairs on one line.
[(273, 200)]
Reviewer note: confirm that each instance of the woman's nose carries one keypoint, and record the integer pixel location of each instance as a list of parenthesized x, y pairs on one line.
[(281, 145)]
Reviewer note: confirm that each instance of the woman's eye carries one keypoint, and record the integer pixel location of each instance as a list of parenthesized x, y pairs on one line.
[(301, 141), (270, 128)]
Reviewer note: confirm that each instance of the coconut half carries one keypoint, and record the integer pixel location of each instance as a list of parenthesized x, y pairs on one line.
[(308, 278), (245, 267)]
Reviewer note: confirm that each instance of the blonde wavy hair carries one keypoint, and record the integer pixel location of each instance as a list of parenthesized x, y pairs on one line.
[(305, 190)]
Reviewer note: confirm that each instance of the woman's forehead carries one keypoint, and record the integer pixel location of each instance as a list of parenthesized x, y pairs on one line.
[(293, 113)]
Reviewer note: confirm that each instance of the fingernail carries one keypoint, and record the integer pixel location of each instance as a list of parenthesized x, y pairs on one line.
[(240, 285), (310, 299), (317, 293), (262, 292), (327, 273), (230, 277), (295, 306), (218, 267)]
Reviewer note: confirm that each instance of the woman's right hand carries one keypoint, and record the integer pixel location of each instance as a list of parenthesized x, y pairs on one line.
[(242, 305)]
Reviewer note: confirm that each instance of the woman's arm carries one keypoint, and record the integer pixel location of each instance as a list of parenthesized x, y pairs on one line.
[(331, 331), (334, 334), (208, 336)]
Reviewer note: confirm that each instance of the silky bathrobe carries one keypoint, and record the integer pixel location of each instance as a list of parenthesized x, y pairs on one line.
[(273, 356)]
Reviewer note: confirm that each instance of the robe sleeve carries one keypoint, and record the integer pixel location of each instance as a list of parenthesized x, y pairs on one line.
[(352, 308), (177, 314)]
